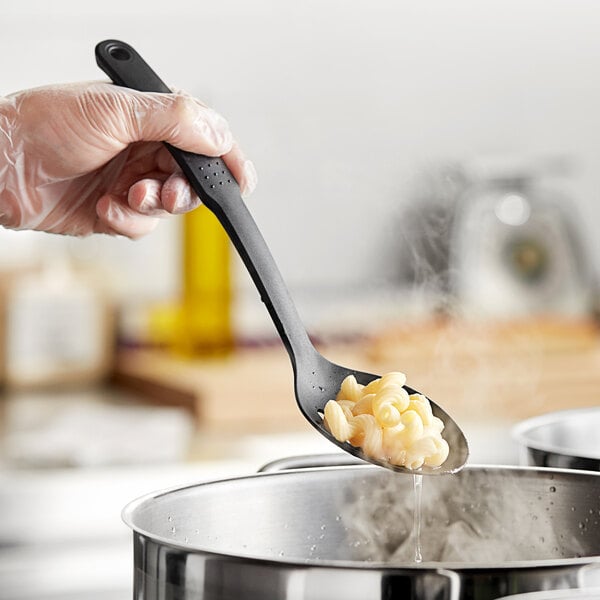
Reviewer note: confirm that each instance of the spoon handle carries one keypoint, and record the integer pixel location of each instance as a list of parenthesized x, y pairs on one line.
[(219, 191)]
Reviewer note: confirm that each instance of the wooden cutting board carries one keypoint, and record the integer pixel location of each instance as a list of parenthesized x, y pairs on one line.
[(250, 390), (505, 372)]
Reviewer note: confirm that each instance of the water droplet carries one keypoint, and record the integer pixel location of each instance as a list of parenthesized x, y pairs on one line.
[(282, 553), (338, 517), (535, 517), (552, 488), (185, 539), (323, 527), (581, 525), (572, 509), (313, 548), (197, 531), (173, 530), (321, 536), (169, 518)]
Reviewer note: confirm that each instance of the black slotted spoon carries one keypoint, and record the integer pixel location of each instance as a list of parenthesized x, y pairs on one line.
[(316, 380)]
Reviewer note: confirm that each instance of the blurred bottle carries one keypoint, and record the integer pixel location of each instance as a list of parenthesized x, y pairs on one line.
[(205, 327), (199, 323)]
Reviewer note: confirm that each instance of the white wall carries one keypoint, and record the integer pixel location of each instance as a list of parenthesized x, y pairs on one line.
[(338, 102)]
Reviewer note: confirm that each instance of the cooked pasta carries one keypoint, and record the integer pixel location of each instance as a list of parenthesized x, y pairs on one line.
[(386, 422)]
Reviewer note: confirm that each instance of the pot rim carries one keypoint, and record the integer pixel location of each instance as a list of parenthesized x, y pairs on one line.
[(129, 509), (520, 432)]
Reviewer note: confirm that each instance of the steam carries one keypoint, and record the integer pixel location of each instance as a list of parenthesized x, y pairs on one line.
[(474, 517)]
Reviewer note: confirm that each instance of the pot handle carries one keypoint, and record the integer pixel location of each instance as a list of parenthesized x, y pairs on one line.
[(310, 461)]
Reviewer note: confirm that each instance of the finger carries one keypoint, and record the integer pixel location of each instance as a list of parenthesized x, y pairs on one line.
[(176, 118), (242, 169), (144, 197), (119, 218), (177, 196)]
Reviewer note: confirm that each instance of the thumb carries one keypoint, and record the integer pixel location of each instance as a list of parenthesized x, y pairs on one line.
[(177, 118)]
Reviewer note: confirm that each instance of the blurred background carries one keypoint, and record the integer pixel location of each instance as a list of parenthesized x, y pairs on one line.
[(429, 187)]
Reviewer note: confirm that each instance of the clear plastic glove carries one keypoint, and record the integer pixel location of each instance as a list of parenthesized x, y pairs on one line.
[(87, 157)]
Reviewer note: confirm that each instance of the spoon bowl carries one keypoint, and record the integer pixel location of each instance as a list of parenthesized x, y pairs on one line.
[(316, 380), (319, 381)]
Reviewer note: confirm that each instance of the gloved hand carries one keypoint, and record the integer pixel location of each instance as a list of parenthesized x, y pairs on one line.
[(86, 157)]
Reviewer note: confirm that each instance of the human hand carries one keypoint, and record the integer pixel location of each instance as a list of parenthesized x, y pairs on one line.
[(87, 157)]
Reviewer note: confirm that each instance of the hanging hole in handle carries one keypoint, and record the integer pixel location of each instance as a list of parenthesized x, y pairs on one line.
[(119, 53)]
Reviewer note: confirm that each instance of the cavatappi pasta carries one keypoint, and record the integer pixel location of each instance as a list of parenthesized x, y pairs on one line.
[(386, 422)]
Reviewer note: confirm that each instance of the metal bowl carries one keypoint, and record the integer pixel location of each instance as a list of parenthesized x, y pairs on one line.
[(347, 532), (566, 439)]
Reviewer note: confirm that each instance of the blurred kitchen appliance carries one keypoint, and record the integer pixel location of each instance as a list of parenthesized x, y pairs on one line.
[(516, 246)]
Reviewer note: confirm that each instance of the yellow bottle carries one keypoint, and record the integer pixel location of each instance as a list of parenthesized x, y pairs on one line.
[(205, 327)]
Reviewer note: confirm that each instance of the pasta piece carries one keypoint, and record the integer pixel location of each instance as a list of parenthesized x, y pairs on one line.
[(421, 406), (347, 407), (350, 390), (368, 435), (364, 406), (387, 423), (337, 422), (441, 454)]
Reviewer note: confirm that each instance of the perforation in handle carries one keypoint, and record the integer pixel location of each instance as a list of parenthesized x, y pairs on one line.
[(215, 173)]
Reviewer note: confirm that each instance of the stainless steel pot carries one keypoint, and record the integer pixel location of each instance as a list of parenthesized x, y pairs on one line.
[(566, 439), (589, 594), (347, 533)]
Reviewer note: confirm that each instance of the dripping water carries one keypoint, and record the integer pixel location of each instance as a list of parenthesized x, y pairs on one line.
[(418, 489)]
